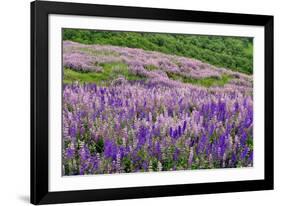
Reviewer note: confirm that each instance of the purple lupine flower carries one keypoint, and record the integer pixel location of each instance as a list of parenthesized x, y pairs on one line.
[(83, 167), (211, 131), (158, 150), (179, 131), (70, 152), (175, 134), (233, 160), (142, 135), (244, 153), (171, 132), (250, 159), (243, 138), (72, 132), (176, 154), (184, 126), (110, 149), (202, 143), (249, 119), (222, 145), (84, 153)]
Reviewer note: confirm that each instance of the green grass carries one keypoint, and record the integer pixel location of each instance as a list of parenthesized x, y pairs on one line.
[(110, 72), (205, 82), (235, 53)]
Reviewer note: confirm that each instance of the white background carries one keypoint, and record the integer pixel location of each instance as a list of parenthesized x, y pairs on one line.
[(14, 102)]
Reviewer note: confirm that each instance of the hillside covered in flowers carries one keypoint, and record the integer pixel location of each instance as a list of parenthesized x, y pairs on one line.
[(133, 110)]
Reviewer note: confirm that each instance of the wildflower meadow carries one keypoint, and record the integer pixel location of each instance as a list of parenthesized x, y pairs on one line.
[(129, 109)]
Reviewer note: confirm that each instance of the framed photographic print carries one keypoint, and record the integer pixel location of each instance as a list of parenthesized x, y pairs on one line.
[(131, 102)]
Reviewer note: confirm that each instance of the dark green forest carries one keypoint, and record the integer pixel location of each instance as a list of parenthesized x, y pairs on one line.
[(235, 53)]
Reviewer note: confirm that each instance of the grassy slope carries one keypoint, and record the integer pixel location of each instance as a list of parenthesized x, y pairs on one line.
[(230, 52), (205, 82), (112, 70)]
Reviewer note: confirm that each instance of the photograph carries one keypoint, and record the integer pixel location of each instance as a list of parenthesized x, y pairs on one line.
[(153, 102), (133, 102)]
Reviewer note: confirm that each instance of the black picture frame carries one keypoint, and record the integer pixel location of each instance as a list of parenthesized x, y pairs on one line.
[(40, 108)]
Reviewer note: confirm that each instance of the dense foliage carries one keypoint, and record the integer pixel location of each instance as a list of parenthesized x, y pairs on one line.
[(235, 53)]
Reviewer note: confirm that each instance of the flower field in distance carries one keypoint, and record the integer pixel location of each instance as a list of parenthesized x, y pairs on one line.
[(130, 110)]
